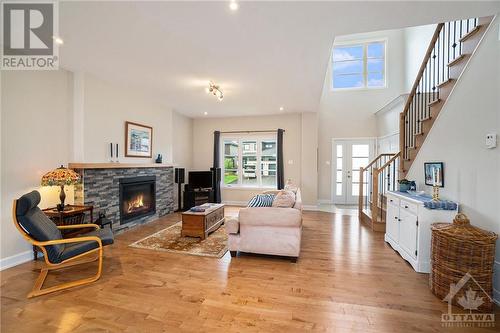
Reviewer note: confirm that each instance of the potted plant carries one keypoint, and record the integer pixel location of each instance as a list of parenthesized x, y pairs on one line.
[(404, 185)]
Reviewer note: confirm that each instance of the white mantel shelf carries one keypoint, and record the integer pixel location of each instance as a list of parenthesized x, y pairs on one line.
[(116, 165)]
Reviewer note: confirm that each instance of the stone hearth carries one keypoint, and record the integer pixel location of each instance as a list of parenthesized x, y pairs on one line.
[(100, 187)]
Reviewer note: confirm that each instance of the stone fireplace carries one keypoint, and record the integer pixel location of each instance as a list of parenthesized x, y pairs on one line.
[(128, 194)]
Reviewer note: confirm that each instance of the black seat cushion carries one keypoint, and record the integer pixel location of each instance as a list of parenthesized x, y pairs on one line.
[(38, 225), (74, 249)]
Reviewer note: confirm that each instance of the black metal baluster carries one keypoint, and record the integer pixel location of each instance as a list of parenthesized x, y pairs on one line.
[(394, 175), (459, 42), (449, 46), (438, 68), (434, 72), (454, 39)]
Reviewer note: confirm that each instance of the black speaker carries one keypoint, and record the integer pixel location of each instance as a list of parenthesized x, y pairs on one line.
[(216, 172), (179, 175)]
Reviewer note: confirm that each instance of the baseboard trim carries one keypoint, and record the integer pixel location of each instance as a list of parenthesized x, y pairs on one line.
[(310, 207), (16, 259), (325, 201)]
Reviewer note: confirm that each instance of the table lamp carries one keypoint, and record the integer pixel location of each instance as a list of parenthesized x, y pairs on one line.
[(60, 177)]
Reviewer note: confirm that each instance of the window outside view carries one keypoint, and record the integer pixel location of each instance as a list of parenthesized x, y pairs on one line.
[(359, 66), (250, 162)]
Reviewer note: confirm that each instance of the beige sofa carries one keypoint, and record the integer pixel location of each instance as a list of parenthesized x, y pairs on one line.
[(267, 230)]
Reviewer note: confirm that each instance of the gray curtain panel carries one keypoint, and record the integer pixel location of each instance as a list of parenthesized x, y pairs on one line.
[(281, 173), (216, 165)]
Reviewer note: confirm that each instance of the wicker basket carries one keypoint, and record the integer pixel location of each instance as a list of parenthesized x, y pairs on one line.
[(458, 249)]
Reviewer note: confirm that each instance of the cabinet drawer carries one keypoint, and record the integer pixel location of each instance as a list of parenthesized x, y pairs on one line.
[(409, 207), (392, 200)]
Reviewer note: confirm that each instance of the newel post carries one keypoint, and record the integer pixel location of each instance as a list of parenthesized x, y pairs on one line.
[(361, 188), (374, 207)]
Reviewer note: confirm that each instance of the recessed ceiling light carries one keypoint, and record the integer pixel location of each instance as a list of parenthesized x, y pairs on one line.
[(58, 40), (233, 5), (282, 108), (205, 113)]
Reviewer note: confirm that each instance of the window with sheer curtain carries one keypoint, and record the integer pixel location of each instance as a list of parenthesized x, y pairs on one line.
[(358, 66)]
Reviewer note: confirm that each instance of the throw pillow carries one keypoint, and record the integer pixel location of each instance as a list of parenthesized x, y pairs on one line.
[(261, 200), (284, 199)]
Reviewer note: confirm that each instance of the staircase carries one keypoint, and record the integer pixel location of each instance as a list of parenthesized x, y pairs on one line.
[(452, 44), (378, 177)]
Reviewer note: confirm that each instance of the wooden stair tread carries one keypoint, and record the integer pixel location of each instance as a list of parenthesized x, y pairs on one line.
[(368, 212), (419, 133), (457, 60), (442, 84), (437, 101), (426, 118), (470, 34)]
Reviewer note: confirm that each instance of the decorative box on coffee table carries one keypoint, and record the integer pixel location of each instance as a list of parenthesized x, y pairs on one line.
[(200, 224)]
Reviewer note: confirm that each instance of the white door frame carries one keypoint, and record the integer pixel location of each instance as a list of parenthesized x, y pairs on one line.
[(333, 163)]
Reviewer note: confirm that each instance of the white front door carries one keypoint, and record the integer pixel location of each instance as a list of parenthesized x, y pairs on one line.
[(347, 157)]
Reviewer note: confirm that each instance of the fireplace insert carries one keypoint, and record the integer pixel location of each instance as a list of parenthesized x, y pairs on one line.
[(137, 198)]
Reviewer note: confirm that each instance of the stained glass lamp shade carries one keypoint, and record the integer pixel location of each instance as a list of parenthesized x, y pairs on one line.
[(60, 177)]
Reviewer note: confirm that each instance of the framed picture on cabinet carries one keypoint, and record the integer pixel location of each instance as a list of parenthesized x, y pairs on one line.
[(434, 173)]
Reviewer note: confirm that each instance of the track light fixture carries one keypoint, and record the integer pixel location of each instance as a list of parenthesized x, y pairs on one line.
[(214, 90)]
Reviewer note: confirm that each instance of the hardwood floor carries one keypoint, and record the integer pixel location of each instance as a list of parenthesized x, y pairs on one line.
[(346, 280)]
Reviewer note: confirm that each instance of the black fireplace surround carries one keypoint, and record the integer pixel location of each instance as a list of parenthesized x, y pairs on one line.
[(137, 198)]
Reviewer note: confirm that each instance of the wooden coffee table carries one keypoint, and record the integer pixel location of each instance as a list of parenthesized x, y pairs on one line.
[(201, 224)]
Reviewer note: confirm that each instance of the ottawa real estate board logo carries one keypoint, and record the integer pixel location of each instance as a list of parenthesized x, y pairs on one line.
[(28, 32), (470, 295)]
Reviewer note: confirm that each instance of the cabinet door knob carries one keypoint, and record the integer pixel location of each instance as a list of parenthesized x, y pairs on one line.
[(395, 217), (406, 206), (399, 220)]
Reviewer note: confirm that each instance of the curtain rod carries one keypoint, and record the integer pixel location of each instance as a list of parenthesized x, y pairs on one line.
[(257, 131)]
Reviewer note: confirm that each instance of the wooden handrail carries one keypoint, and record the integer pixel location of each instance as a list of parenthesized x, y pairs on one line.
[(388, 162), (422, 68), (376, 159)]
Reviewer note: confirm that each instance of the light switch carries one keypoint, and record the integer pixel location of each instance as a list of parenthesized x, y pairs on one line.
[(491, 140), (327, 162), (290, 162)]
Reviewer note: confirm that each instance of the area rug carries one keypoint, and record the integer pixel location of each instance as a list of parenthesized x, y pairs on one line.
[(170, 240)]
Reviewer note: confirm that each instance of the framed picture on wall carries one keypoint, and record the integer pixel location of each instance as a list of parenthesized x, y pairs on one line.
[(138, 140), (434, 174)]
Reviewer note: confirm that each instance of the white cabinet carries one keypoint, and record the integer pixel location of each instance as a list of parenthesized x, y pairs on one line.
[(408, 228), (392, 224)]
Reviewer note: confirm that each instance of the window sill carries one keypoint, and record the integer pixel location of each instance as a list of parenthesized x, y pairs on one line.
[(357, 89), (248, 188)]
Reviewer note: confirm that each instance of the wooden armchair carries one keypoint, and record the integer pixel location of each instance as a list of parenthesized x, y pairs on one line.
[(58, 253)]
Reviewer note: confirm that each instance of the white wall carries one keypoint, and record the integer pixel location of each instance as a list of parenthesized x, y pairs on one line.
[(292, 146), (350, 114), (35, 130), (107, 107), (387, 120), (416, 42), (182, 141), (471, 172), (309, 158)]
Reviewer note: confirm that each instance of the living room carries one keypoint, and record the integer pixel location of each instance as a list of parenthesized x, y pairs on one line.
[(235, 116)]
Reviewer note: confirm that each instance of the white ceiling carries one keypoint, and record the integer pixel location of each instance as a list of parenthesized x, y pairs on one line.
[(265, 55)]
